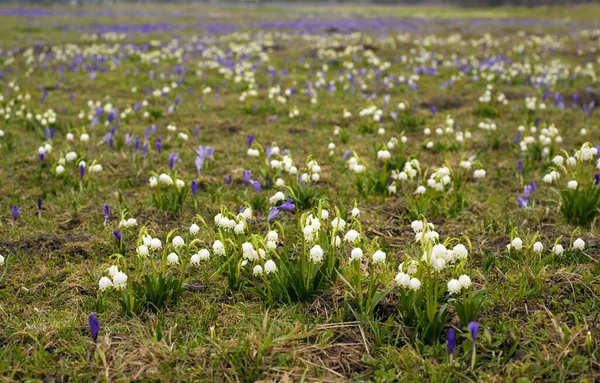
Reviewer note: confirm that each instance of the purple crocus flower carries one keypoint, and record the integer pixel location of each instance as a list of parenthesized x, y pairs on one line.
[(474, 330), (347, 154), (250, 139), (172, 158), (106, 211), (520, 166), (99, 112), (197, 130), (287, 206), (118, 236), (159, 144), (451, 340), (136, 146), (247, 176), (228, 179), (256, 186), (194, 187), (144, 150), (533, 187), (111, 143), (596, 179), (41, 156), (433, 110), (40, 203), (273, 213), (16, 212), (81, 170), (268, 151), (94, 326), (518, 138)]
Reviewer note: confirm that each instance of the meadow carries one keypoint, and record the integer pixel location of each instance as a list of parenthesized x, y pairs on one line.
[(328, 194)]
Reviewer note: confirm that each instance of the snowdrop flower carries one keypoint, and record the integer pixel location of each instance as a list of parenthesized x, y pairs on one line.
[(70, 137), (84, 137), (272, 236), (153, 182), (165, 179), (558, 160), (415, 284), (71, 156), (172, 258), (218, 247), (239, 228), (351, 236), (538, 247), (572, 184), (355, 212), (279, 182), (417, 226), (143, 250), (195, 259), (460, 251), (316, 254), (59, 169), (379, 257), (479, 173), (356, 254), (439, 251), (120, 280), (464, 281), (155, 244), (204, 254), (516, 244), (454, 286), (257, 270), (383, 155), (180, 184), (579, 244), (338, 223), (104, 283), (279, 196), (178, 241), (194, 229), (113, 270), (402, 279), (557, 249), (420, 190), (270, 266)]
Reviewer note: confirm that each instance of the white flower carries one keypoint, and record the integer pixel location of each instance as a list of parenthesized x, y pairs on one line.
[(178, 241), (324, 214), (218, 247), (464, 280), (59, 169), (579, 244), (85, 138), (71, 156), (538, 247), (558, 249), (120, 280), (415, 284), (572, 184), (272, 236), (195, 259), (153, 182), (479, 173), (204, 254), (180, 184), (356, 254), (143, 250), (279, 196), (439, 251), (165, 179), (460, 251), (351, 235), (113, 270), (172, 258), (155, 243), (257, 270), (383, 155), (420, 190), (402, 279), (417, 226), (194, 229), (379, 257), (104, 283), (454, 286), (338, 223), (355, 212), (270, 266), (316, 254), (558, 160), (516, 244), (70, 137)]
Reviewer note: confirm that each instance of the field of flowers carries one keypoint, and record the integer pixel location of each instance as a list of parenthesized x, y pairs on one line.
[(332, 194)]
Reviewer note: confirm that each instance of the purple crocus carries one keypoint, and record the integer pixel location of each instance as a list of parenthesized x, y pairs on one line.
[(40, 203), (194, 187), (451, 340), (256, 186), (474, 330), (347, 154), (159, 144), (16, 212), (81, 170), (144, 150), (287, 206), (106, 211), (172, 158), (250, 139), (273, 213), (228, 179), (136, 146), (520, 166), (596, 179), (247, 176), (94, 326), (118, 236)]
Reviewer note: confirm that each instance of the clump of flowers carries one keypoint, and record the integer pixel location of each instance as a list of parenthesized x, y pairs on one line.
[(169, 192)]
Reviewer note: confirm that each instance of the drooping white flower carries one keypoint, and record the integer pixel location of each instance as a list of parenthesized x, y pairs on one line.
[(356, 254), (572, 184), (172, 258), (351, 235), (402, 279), (454, 286), (104, 283), (155, 244), (257, 270), (316, 254), (204, 254), (516, 244), (218, 247), (464, 280), (195, 259), (460, 251), (415, 284), (355, 212), (194, 229), (379, 257), (178, 241), (270, 266), (479, 173), (579, 244), (538, 247), (558, 249), (120, 280), (143, 250)]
